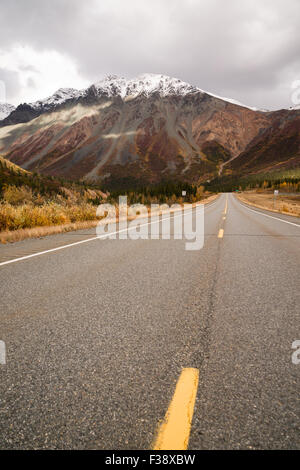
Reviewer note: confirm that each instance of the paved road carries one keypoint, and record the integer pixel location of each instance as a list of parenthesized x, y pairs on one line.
[(97, 335)]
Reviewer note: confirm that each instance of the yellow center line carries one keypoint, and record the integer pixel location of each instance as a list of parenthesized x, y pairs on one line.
[(221, 231), (174, 432), (226, 205)]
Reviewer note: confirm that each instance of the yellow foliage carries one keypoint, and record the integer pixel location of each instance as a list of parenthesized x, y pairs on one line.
[(14, 195), (29, 216)]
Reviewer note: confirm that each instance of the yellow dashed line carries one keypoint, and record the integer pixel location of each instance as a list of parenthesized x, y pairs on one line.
[(221, 231), (226, 205), (174, 432)]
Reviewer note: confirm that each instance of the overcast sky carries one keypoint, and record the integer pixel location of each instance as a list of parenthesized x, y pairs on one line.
[(242, 49)]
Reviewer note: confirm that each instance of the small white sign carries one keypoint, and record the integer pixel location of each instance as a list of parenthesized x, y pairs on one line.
[(2, 353), (183, 193), (276, 192)]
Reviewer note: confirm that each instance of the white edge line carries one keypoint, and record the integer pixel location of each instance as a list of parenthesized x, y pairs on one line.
[(271, 216), (89, 240)]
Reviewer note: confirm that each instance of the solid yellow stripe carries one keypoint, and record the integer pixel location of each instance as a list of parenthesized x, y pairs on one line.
[(174, 432), (226, 205), (221, 233)]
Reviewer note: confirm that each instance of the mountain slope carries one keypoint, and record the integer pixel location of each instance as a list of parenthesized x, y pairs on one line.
[(150, 128), (26, 112), (41, 186), (276, 148), (11, 167), (110, 87)]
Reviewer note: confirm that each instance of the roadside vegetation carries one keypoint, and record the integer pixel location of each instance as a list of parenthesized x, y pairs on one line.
[(30, 200), (168, 192), (285, 181), (288, 203), (32, 205)]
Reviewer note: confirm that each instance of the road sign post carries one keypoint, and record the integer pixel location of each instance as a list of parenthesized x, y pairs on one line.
[(276, 192)]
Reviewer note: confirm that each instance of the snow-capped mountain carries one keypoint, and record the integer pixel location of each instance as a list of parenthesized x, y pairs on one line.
[(26, 112), (145, 85), (150, 83), (111, 86), (149, 128), (5, 110), (59, 97)]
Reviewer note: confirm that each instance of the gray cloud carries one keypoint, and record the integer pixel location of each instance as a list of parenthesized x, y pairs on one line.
[(247, 50)]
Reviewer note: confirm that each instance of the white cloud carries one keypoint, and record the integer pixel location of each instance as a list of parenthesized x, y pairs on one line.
[(40, 73)]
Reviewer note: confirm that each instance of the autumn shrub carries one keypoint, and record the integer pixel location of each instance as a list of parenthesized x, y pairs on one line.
[(28, 215), (17, 195)]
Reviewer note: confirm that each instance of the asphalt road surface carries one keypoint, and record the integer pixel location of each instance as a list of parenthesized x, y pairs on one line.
[(97, 335)]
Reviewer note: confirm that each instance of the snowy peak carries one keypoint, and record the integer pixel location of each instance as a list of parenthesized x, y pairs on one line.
[(111, 86), (59, 97), (149, 83), (145, 84), (5, 110)]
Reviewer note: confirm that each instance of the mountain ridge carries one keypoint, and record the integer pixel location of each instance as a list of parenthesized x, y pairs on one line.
[(148, 129), (111, 86)]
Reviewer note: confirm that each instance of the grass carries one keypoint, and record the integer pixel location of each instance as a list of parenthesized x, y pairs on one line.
[(32, 204), (29, 216), (284, 204), (28, 221), (38, 232)]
